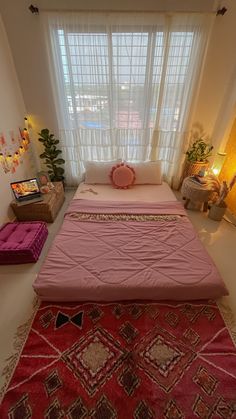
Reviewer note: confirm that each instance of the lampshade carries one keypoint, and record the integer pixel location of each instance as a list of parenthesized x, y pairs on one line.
[(218, 163)]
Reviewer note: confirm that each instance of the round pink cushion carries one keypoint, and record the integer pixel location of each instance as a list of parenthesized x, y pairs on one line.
[(122, 176)]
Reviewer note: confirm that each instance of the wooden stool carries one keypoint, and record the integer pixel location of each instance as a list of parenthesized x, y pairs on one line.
[(194, 192)]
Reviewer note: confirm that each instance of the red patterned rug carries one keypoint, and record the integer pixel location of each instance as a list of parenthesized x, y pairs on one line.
[(142, 361)]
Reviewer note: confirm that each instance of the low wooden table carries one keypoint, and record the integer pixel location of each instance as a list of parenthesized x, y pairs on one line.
[(195, 192), (45, 210)]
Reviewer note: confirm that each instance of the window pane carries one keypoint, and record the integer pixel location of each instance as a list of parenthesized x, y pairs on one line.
[(113, 80)]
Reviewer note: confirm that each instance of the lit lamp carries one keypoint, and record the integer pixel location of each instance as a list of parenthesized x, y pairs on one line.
[(218, 163)]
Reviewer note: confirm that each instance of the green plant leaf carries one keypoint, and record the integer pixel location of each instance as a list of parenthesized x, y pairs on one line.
[(51, 154), (59, 161), (59, 170)]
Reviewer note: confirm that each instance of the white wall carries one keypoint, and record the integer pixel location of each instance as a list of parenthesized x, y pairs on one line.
[(12, 112), (28, 49), (216, 103)]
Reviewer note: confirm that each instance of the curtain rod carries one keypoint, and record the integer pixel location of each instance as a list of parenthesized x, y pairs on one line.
[(35, 11)]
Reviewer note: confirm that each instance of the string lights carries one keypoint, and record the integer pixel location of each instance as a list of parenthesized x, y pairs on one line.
[(10, 156)]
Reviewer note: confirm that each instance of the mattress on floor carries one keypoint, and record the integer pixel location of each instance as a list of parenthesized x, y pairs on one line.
[(127, 250)]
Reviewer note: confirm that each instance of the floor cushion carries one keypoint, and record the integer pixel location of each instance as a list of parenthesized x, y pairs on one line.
[(22, 242)]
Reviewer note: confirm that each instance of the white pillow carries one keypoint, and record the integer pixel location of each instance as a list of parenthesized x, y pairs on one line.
[(99, 171), (147, 173)]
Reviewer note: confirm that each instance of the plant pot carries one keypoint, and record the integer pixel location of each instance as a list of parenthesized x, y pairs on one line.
[(217, 212), (194, 167)]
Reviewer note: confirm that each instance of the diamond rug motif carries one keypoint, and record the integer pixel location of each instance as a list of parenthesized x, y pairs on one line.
[(123, 361)]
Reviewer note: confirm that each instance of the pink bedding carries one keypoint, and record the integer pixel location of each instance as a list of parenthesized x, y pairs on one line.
[(132, 250)]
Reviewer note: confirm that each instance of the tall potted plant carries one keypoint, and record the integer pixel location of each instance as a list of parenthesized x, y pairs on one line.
[(51, 156), (197, 157)]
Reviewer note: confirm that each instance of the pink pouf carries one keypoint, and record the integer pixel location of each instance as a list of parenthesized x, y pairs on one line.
[(22, 242)]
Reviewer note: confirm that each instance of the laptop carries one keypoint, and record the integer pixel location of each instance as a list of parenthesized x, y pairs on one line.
[(26, 191)]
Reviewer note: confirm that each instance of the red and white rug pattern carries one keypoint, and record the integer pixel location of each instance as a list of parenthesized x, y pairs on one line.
[(122, 360)]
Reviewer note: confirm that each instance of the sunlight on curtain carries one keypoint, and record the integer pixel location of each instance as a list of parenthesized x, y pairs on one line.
[(123, 84)]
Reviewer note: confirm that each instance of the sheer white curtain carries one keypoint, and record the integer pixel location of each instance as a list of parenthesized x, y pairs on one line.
[(123, 84)]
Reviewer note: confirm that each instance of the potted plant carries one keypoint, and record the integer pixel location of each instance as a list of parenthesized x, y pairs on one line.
[(51, 156), (197, 157), (218, 208)]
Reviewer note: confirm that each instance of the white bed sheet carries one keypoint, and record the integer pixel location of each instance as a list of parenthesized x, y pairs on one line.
[(144, 193)]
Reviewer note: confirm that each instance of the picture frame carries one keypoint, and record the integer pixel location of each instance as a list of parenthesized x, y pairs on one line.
[(43, 178)]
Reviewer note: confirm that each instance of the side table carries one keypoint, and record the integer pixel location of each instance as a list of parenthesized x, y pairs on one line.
[(195, 192), (45, 210)]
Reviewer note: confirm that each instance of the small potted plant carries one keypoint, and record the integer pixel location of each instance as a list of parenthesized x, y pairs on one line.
[(51, 156), (197, 157), (218, 208)]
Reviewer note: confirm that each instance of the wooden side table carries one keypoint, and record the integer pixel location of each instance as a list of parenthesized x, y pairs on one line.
[(45, 210), (195, 192)]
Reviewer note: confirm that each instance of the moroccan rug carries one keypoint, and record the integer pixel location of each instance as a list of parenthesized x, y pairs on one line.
[(122, 360)]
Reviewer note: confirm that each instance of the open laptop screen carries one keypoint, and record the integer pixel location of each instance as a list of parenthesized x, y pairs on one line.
[(25, 189)]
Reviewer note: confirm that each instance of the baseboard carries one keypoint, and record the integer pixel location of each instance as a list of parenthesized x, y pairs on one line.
[(230, 216)]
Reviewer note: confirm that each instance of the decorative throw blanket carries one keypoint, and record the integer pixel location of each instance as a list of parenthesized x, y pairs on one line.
[(127, 251)]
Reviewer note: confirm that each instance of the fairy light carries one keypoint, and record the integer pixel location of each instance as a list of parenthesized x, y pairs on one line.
[(21, 150), (26, 135), (10, 161), (9, 158), (26, 123)]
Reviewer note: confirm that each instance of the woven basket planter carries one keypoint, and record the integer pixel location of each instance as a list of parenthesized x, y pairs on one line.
[(193, 168), (217, 212)]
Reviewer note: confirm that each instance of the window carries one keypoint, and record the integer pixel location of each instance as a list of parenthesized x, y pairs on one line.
[(123, 85), (107, 76)]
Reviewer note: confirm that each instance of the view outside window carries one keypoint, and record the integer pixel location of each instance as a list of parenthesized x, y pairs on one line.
[(122, 80)]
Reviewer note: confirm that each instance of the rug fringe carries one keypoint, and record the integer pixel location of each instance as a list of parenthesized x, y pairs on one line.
[(228, 317), (18, 345)]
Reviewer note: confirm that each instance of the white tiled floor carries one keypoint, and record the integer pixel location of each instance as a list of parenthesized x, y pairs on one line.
[(16, 293)]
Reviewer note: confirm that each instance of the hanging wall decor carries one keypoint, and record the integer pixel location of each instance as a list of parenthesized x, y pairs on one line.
[(12, 151)]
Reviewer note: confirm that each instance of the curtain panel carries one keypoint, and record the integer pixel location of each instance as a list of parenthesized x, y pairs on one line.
[(124, 84)]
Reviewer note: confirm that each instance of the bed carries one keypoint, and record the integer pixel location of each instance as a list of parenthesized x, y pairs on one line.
[(127, 244)]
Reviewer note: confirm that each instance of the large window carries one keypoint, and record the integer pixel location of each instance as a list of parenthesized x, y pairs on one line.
[(113, 80), (123, 90)]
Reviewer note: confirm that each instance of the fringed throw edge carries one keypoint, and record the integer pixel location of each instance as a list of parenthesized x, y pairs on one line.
[(20, 338), (80, 216), (228, 317)]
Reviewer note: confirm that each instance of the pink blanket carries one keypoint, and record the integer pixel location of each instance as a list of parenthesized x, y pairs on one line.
[(127, 251)]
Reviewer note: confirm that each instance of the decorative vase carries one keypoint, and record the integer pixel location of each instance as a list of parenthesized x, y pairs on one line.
[(217, 212)]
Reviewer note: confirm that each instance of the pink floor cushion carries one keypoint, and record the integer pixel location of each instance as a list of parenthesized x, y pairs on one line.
[(22, 242)]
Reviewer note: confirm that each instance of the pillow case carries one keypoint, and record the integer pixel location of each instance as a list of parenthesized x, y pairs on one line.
[(98, 171), (147, 173), (122, 176)]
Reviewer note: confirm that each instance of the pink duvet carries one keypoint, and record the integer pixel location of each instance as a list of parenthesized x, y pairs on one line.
[(127, 251)]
